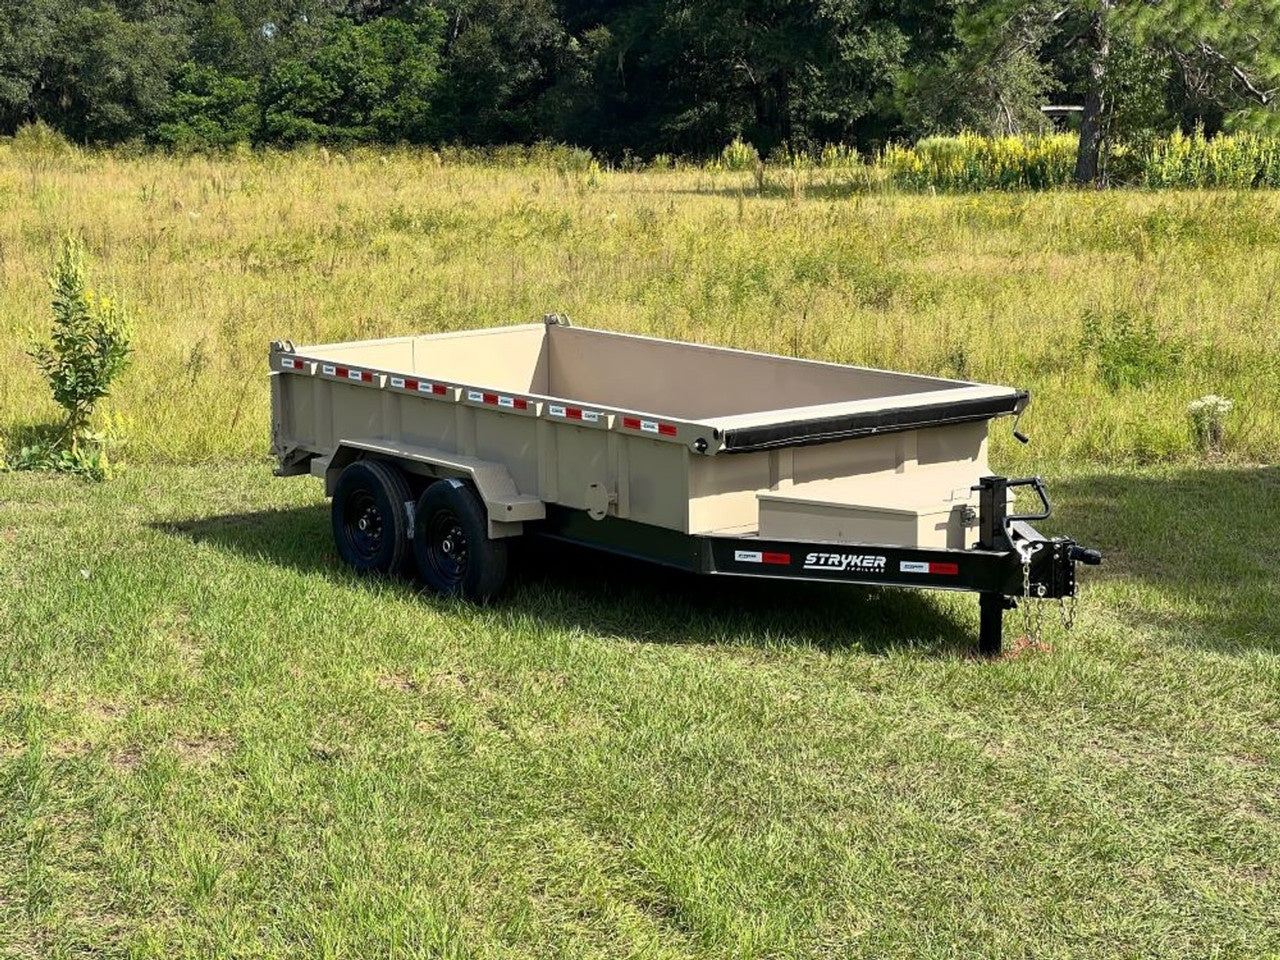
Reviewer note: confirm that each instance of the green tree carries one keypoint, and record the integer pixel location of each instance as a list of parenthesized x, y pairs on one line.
[(992, 80), (209, 109), (105, 78), (1132, 60), (372, 81), (27, 37), (501, 60)]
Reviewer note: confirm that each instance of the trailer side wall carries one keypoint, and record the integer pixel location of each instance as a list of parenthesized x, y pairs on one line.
[(641, 477)]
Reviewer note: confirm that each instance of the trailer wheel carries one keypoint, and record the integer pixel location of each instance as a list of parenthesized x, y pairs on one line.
[(370, 522), (451, 543)]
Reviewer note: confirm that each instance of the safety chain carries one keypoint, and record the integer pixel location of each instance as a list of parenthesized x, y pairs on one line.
[(1067, 609), (1032, 620)]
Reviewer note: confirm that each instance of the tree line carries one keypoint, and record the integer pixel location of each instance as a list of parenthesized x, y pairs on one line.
[(633, 77)]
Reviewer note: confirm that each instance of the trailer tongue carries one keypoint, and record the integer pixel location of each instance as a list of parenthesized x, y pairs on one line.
[(711, 460)]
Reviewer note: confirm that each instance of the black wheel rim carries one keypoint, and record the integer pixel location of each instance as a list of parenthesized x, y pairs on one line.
[(447, 546), (362, 521)]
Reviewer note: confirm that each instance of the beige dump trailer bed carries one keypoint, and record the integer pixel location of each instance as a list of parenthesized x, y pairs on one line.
[(439, 448)]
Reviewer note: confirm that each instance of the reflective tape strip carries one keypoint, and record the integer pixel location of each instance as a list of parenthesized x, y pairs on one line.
[(649, 426), (920, 566), (419, 386), (290, 363), (762, 556), (497, 400), (574, 413), (347, 373)]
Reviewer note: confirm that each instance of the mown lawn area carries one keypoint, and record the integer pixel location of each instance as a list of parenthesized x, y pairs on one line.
[(214, 741)]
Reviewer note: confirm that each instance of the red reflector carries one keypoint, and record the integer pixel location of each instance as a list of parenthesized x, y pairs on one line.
[(781, 558), (342, 372), (437, 388), (951, 568), (490, 398), (411, 384), (522, 404), (631, 423), (573, 413), (366, 376), (669, 430)]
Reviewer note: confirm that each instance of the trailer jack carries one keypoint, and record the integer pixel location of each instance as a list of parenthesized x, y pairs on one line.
[(1045, 566)]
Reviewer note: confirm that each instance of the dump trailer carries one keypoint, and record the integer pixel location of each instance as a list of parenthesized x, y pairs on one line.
[(438, 449)]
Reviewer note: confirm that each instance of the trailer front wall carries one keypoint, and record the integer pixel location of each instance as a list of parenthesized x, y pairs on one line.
[(949, 459)]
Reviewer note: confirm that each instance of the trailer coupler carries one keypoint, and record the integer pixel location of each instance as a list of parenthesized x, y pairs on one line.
[(1042, 568)]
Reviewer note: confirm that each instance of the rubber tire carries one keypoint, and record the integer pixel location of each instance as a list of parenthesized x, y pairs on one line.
[(388, 490), (486, 565)]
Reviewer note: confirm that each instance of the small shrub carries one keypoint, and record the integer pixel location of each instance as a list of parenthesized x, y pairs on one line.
[(88, 460), (1128, 351), (88, 347), (837, 156), (973, 162), (1240, 161), (1208, 416), (739, 155), (39, 141)]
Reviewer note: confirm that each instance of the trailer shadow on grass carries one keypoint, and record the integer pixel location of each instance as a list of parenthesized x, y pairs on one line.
[(573, 587), (1192, 549), (578, 587)]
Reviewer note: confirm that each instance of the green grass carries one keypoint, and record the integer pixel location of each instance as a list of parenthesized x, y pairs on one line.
[(214, 741)]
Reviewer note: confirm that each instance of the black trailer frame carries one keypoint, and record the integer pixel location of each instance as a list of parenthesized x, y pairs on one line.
[(1011, 560)]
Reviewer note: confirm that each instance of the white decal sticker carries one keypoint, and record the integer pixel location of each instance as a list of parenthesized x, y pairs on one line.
[(845, 562), (748, 556)]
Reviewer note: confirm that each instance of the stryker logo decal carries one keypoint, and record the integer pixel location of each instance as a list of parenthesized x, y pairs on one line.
[(852, 562)]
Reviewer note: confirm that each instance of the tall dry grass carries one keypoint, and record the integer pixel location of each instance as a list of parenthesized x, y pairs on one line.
[(1116, 309)]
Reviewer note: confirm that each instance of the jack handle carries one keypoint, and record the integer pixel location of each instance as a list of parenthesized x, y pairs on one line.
[(1036, 484)]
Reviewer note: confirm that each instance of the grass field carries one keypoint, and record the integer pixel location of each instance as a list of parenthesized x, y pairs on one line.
[(1115, 309), (216, 742)]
